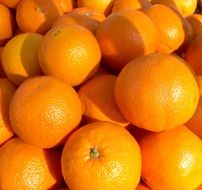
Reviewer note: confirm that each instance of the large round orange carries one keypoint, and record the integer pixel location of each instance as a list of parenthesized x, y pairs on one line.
[(70, 52), (97, 98), (46, 107), (193, 54), (170, 28), (6, 24), (103, 6), (23, 166), (157, 92), (172, 159), (20, 57), (7, 90), (36, 15), (108, 156), (67, 5), (137, 36)]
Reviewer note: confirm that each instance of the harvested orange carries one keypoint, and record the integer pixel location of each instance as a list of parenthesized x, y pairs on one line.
[(108, 156), (103, 6), (193, 54), (23, 166), (170, 28), (71, 53), (185, 7), (97, 98), (2, 73), (7, 90), (36, 15), (20, 57), (6, 24), (83, 20), (172, 159), (67, 5), (157, 92), (46, 107), (92, 13), (10, 3), (195, 123), (142, 186), (137, 36)]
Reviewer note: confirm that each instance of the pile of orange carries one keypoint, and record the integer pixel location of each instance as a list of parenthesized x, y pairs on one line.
[(100, 95)]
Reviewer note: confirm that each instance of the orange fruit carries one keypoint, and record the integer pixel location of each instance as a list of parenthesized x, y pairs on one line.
[(108, 156), (7, 90), (20, 57), (142, 186), (6, 23), (103, 6), (157, 92), (71, 53), (46, 107), (97, 98), (10, 3), (23, 166), (83, 20), (2, 73), (185, 7), (92, 13), (195, 123), (67, 5), (172, 159), (137, 36), (170, 29), (200, 187), (36, 15), (193, 54)]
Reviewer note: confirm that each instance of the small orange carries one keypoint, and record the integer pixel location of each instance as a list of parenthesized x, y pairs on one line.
[(23, 166), (97, 97), (36, 15), (67, 5), (193, 54), (46, 107), (170, 28), (142, 186), (71, 53), (72, 18), (172, 159), (100, 156), (157, 92), (10, 3), (137, 36), (92, 13), (2, 73), (7, 90)]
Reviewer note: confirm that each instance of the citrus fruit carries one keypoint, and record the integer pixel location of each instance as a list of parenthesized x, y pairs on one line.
[(2, 72), (67, 5)]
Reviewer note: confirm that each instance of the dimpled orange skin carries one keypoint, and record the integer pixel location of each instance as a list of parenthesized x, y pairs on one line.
[(7, 90), (71, 53), (46, 107), (97, 97), (170, 28), (177, 152), (157, 92), (108, 156), (36, 15), (23, 166), (137, 36)]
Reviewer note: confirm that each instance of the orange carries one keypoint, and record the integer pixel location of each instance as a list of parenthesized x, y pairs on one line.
[(10, 3), (71, 53), (195, 123), (142, 186), (67, 5), (97, 98), (193, 54), (120, 5), (23, 166), (103, 6), (2, 73), (172, 159), (36, 15), (108, 156), (46, 107), (195, 21), (20, 57), (7, 90), (6, 23), (157, 92), (92, 13), (170, 28), (185, 7), (200, 187), (137, 36), (83, 20)]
